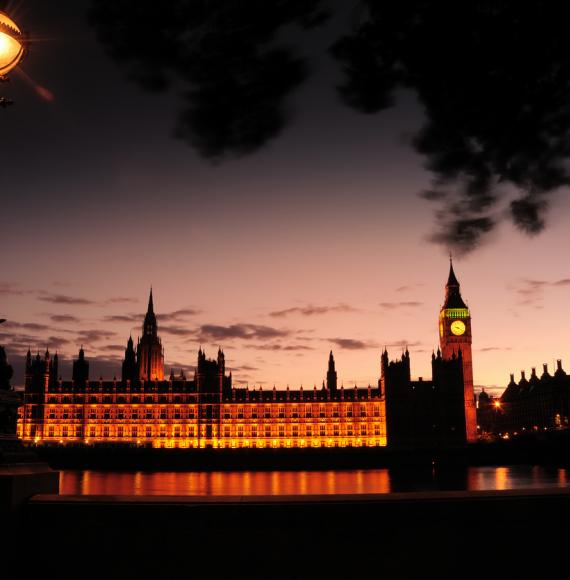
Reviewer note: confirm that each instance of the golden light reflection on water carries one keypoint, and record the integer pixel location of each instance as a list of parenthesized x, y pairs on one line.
[(224, 483), (367, 481)]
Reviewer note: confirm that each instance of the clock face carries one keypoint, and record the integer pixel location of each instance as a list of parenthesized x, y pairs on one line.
[(457, 327)]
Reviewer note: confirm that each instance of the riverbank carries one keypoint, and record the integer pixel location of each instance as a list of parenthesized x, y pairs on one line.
[(552, 449)]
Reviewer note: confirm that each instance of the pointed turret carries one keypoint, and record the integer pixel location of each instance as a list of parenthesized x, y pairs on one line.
[(452, 293), (130, 370), (80, 369), (149, 326), (331, 374), (150, 356)]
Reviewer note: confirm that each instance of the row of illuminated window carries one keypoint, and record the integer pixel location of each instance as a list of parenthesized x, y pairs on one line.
[(229, 412), (241, 431)]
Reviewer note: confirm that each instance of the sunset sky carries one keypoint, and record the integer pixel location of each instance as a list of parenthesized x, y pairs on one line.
[(318, 241)]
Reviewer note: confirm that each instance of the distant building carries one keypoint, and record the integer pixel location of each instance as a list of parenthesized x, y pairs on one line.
[(536, 403), (489, 414), (144, 407)]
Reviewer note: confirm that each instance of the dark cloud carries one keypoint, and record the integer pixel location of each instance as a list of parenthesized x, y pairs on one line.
[(31, 326), (530, 292), (221, 57), (64, 299), (177, 315), (112, 347), (279, 347), (312, 310), (408, 287), (402, 304), (177, 330), (243, 368), (494, 92), (403, 344), (120, 300), (123, 318), (56, 342), (64, 318), (95, 335), (352, 344), (10, 289), (242, 331), (493, 348)]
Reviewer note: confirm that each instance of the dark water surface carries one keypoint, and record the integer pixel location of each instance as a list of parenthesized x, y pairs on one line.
[(308, 482)]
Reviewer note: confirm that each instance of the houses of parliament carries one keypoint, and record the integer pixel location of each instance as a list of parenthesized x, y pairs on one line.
[(207, 411)]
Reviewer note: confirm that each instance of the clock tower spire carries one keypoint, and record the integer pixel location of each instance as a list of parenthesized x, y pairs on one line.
[(455, 336)]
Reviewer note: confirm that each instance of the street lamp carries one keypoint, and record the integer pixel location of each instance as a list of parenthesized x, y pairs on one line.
[(12, 48)]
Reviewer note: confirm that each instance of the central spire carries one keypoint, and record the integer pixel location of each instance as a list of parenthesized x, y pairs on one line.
[(451, 280), (149, 326), (150, 304), (452, 293)]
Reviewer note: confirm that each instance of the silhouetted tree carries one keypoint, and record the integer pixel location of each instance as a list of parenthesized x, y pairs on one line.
[(221, 55), (494, 80), (492, 76)]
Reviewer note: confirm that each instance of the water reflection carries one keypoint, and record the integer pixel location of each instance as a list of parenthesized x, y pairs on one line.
[(308, 482)]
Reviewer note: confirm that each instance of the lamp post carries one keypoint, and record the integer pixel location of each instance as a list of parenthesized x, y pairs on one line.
[(12, 49)]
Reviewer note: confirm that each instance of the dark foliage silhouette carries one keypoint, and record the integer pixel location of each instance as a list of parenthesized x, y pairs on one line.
[(494, 80), (221, 55), (492, 76)]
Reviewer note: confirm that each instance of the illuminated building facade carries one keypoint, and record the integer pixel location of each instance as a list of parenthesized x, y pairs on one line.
[(206, 411)]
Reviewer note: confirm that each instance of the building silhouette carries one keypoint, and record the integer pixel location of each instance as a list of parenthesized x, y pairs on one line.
[(535, 404), (207, 410)]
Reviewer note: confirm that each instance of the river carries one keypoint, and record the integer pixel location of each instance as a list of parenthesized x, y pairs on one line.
[(219, 483)]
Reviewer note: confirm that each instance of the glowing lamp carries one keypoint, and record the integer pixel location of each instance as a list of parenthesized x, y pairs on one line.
[(497, 404), (11, 44)]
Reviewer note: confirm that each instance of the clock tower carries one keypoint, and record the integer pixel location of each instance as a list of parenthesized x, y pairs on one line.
[(455, 335)]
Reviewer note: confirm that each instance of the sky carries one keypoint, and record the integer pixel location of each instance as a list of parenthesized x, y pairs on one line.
[(317, 241)]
